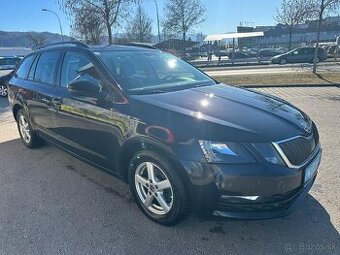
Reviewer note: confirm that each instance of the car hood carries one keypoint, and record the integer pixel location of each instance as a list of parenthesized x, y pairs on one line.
[(223, 112)]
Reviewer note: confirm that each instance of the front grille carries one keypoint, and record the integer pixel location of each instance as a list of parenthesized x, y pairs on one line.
[(299, 149)]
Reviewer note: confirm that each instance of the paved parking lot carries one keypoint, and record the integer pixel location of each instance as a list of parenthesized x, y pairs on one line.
[(52, 203)]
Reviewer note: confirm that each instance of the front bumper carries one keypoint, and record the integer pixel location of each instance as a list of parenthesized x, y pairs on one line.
[(266, 210), (252, 191)]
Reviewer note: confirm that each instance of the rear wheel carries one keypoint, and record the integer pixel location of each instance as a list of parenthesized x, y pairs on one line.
[(3, 91), (27, 134), (158, 189)]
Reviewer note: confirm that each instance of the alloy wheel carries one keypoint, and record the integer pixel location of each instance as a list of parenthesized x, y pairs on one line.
[(283, 61), (24, 129), (154, 188), (3, 90)]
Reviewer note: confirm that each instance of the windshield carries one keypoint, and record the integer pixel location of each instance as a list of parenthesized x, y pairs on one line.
[(148, 71)]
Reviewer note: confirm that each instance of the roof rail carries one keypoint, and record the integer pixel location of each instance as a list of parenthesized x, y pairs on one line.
[(74, 43)]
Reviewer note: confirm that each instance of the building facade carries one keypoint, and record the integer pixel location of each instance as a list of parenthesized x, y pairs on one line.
[(278, 36)]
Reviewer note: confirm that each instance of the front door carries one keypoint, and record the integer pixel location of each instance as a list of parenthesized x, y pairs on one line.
[(83, 123)]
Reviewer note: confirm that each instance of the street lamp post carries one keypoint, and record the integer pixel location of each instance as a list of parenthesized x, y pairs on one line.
[(61, 30), (159, 34)]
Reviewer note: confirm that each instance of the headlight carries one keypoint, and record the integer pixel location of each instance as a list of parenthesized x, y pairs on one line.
[(268, 151), (222, 152)]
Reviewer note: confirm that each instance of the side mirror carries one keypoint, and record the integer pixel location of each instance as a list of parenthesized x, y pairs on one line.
[(84, 88)]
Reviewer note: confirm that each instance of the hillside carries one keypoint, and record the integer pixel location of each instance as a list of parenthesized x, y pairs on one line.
[(20, 39)]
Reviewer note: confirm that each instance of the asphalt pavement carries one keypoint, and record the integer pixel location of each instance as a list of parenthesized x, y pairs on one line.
[(52, 203)]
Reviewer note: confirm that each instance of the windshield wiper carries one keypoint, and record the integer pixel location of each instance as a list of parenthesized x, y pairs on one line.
[(202, 84)]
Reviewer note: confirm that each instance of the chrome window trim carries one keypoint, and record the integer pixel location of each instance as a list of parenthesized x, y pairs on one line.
[(286, 160)]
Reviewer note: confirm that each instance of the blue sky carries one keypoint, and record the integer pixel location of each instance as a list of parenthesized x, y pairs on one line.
[(222, 15)]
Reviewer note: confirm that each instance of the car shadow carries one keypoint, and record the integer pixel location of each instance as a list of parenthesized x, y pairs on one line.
[(3, 103), (48, 196)]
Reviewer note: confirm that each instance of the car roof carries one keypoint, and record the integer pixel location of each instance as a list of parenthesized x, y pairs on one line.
[(78, 45)]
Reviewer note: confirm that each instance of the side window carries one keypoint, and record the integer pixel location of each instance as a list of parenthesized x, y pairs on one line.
[(32, 70), (24, 67), (46, 67), (77, 66)]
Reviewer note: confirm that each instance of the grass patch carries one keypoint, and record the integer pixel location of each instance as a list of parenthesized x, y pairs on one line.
[(280, 79)]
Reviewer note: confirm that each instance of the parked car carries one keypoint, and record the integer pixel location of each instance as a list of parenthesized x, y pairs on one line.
[(333, 51), (203, 54), (182, 141), (268, 53), (187, 56), (4, 80), (299, 55), (9, 62), (238, 54)]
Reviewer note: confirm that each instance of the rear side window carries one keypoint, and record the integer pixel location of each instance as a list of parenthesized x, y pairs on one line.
[(32, 70), (46, 67), (24, 68)]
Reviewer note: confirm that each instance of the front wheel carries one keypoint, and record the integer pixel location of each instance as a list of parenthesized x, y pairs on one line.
[(27, 134), (283, 61), (158, 189)]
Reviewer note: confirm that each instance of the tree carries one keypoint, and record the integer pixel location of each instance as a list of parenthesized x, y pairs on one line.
[(87, 25), (140, 27), (108, 10), (36, 39), (181, 16), (292, 13), (321, 9)]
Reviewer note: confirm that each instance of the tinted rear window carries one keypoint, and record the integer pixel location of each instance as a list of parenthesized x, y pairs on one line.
[(24, 68)]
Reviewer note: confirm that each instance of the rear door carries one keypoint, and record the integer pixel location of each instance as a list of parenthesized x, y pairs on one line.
[(42, 79)]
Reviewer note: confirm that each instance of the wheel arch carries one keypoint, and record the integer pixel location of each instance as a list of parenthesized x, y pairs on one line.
[(135, 145), (16, 108)]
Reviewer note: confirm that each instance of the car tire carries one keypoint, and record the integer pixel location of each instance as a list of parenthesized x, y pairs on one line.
[(283, 61), (3, 90), (158, 189), (28, 136), (317, 60)]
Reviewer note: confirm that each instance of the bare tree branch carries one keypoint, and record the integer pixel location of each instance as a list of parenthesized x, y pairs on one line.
[(109, 11), (294, 12), (87, 25), (181, 16), (37, 39), (140, 27), (322, 8)]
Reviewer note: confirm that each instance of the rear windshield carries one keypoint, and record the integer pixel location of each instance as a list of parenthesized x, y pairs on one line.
[(140, 72)]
